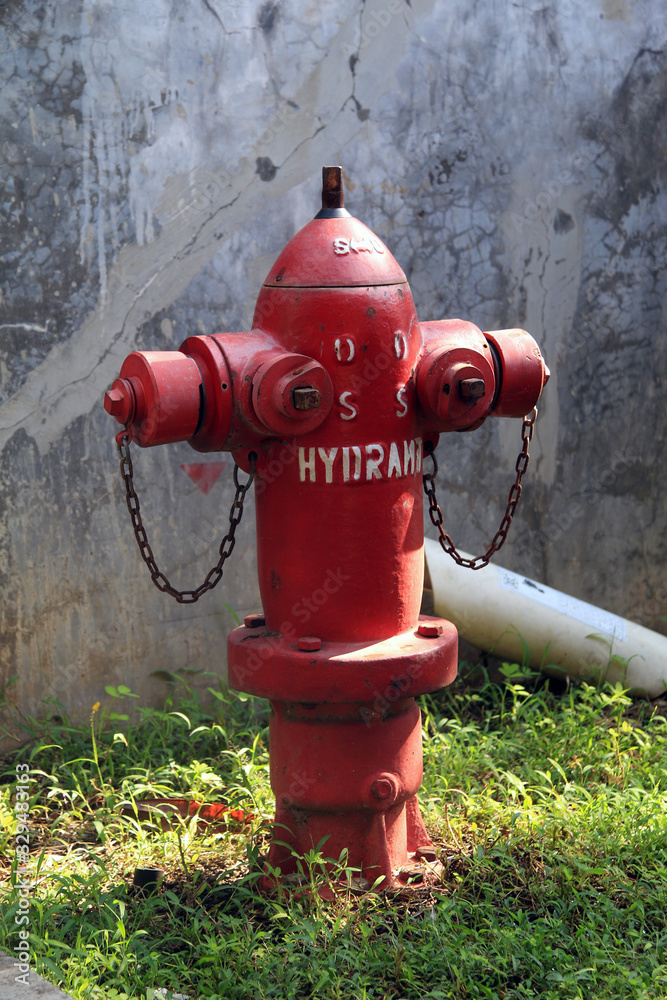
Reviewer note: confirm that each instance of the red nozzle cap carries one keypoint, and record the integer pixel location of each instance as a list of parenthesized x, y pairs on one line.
[(522, 375), (456, 380), (292, 394), (158, 396)]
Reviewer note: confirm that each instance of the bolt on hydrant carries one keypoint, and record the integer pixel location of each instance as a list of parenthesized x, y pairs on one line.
[(333, 403)]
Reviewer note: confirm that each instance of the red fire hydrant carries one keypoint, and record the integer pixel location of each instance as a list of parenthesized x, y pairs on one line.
[(332, 401)]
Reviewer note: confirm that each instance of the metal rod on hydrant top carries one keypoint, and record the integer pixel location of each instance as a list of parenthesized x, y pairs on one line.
[(334, 397)]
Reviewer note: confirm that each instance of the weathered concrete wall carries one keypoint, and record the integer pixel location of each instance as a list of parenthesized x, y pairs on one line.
[(155, 159)]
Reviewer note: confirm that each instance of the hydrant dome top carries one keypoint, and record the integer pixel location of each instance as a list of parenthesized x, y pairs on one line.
[(334, 250)]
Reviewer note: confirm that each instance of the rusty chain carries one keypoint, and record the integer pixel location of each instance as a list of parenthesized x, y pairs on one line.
[(214, 575), (498, 540)]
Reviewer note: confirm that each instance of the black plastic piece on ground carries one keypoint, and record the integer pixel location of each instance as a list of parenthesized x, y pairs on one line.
[(147, 879)]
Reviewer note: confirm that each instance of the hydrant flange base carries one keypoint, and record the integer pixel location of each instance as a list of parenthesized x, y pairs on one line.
[(269, 665)]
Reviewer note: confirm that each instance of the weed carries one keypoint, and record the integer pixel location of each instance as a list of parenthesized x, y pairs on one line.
[(549, 813)]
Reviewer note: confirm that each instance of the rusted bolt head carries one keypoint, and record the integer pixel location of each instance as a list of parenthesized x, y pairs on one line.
[(472, 388), (306, 398), (309, 643), (254, 621), (382, 789), (430, 630), (119, 402)]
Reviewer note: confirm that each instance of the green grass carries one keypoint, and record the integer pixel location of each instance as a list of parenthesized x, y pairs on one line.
[(549, 813)]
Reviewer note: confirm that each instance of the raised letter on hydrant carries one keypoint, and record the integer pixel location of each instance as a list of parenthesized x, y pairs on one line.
[(333, 403)]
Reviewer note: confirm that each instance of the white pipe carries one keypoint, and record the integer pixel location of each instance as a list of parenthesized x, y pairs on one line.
[(519, 619)]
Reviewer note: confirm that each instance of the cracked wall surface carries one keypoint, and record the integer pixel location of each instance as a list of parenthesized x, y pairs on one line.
[(155, 159)]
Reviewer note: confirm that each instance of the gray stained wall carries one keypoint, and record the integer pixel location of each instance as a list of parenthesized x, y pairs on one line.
[(156, 156)]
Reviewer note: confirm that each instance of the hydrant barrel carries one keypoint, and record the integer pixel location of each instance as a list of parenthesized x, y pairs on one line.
[(339, 510)]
